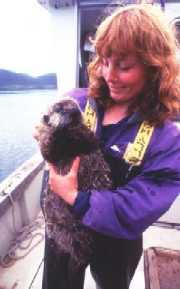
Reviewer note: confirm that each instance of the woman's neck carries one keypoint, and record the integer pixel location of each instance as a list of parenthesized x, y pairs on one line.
[(114, 114)]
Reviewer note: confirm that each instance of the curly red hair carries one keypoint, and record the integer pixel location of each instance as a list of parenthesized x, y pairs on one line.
[(141, 30)]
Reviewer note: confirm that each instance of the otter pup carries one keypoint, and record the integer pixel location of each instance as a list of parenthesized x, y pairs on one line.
[(63, 135)]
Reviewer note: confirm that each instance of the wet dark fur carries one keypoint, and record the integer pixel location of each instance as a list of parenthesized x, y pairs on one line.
[(60, 142)]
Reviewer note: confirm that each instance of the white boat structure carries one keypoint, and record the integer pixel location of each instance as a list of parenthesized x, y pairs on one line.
[(20, 217)]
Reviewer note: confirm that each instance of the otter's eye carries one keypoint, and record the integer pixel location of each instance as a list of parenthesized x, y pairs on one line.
[(45, 118)]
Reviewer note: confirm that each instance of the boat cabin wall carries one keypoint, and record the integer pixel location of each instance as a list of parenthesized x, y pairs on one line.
[(65, 38), (91, 14), (72, 27), (90, 18)]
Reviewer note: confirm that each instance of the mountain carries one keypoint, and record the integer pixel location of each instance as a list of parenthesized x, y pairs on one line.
[(10, 80)]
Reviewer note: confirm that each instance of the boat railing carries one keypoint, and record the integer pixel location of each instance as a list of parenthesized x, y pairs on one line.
[(19, 200)]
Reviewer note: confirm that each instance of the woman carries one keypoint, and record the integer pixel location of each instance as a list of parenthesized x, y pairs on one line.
[(133, 78)]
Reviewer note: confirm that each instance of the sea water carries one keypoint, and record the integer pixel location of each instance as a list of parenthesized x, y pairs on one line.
[(19, 112)]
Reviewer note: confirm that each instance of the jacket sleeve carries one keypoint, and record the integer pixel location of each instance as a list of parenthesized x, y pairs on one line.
[(127, 211)]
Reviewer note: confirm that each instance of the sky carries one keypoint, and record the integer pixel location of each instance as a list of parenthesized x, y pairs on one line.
[(25, 37)]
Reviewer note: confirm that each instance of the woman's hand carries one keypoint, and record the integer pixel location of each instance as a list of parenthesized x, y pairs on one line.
[(65, 186)]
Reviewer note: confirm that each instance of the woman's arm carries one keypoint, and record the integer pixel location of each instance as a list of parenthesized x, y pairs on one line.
[(130, 209), (127, 211)]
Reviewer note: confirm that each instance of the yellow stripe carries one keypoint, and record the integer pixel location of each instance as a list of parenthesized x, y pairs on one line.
[(90, 117), (135, 151)]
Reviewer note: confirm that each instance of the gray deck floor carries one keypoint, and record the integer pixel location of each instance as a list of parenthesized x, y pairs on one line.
[(26, 273), (22, 273)]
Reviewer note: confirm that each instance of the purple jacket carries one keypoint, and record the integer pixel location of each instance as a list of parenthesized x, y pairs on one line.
[(134, 205)]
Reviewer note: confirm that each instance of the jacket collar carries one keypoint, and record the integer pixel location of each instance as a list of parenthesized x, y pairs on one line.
[(135, 117)]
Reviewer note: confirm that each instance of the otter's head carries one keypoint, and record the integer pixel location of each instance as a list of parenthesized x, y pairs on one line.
[(63, 134)]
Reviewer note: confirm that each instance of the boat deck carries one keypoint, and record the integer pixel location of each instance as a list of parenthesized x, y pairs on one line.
[(26, 273)]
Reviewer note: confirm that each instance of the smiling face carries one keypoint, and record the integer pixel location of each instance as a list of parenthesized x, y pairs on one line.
[(125, 77)]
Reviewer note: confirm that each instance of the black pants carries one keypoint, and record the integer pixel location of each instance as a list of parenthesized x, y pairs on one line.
[(112, 265)]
